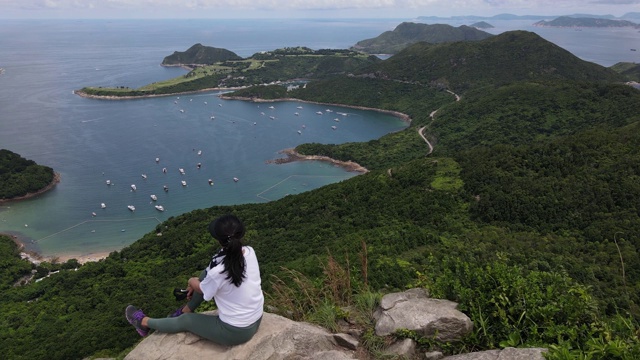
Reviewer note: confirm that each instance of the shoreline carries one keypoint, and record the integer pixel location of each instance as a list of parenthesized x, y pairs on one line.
[(293, 155), (36, 258), (404, 117), (52, 184), (112, 97)]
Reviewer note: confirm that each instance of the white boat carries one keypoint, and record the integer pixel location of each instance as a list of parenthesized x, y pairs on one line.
[(296, 114), (133, 187), (144, 176), (329, 110), (272, 117), (304, 126), (154, 198), (205, 103), (236, 179), (181, 171), (299, 132), (336, 120), (271, 107), (131, 207), (181, 110), (159, 207), (108, 182), (220, 105), (212, 117), (157, 159), (103, 205), (184, 183), (333, 127), (261, 113), (164, 170), (211, 182), (199, 152), (299, 107), (93, 214), (319, 112)]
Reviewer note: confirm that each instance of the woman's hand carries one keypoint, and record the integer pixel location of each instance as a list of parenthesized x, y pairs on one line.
[(193, 285)]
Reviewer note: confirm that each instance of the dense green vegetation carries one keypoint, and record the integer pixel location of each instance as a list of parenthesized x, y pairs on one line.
[(526, 214), (19, 176), (407, 33), (631, 71), (464, 65)]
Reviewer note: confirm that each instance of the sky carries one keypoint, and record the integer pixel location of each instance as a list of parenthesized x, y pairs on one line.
[(172, 9)]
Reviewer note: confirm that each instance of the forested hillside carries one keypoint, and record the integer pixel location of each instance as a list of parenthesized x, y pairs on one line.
[(20, 176), (526, 214), (407, 33)]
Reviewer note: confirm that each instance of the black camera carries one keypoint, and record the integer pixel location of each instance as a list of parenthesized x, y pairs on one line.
[(180, 294)]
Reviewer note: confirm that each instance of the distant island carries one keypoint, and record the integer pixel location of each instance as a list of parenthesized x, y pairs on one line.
[(566, 21), (482, 25), (21, 178)]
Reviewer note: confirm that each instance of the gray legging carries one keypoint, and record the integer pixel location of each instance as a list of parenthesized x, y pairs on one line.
[(207, 326)]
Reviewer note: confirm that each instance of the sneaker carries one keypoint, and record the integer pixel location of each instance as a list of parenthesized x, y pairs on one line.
[(135, 316), (176, 313)]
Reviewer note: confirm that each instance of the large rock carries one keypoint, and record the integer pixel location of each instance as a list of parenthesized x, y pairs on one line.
[(414, 310), (505, 354), (278, 338)]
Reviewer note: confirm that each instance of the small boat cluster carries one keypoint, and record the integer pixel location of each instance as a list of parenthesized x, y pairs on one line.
[(297, 113), (165, 188)]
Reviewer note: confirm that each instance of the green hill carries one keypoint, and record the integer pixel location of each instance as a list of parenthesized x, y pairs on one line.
[(502, 59), (407, 33), (199, 54), (525, 214), (631, 71)]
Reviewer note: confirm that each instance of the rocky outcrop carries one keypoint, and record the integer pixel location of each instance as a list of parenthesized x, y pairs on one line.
[(414, 310), (280, 338), (277, 338)]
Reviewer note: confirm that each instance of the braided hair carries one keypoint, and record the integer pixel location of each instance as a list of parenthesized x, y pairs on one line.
[(229, 231)]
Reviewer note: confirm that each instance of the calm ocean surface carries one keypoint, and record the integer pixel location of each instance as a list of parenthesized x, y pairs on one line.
[(91, 141)]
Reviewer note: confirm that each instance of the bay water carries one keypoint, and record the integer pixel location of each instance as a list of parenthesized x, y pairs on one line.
[(90, 141)]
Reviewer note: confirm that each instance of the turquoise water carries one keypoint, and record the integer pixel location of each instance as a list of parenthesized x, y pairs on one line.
[(90, 141)]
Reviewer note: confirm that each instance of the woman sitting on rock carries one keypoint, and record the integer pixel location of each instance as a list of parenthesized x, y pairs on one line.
[(232, 278)]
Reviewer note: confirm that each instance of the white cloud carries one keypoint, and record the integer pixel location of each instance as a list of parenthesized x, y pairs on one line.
[(310, 7)]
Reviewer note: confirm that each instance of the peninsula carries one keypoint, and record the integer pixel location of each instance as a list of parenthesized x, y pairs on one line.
[(22, 179)]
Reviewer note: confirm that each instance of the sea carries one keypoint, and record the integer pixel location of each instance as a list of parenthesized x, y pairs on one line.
[(223, 147)]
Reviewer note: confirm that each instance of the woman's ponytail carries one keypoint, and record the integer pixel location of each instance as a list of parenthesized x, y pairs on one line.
[(229, 231)]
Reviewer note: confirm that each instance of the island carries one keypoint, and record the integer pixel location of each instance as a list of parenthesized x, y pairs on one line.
[(574, 22)]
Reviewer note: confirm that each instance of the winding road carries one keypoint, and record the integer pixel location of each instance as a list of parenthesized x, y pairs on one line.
[(432, 116)]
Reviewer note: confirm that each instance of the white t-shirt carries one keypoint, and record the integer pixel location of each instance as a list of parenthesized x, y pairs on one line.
[(238, 306)]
